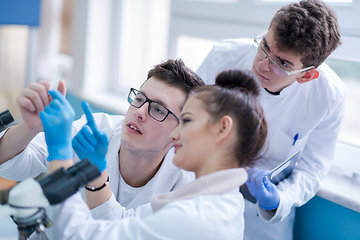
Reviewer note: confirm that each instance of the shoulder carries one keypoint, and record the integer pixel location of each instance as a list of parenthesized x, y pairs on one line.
[(227, 54), (219, 215), (234, 43), (329, 81), (219, 207), (327, 91), (233, 46)]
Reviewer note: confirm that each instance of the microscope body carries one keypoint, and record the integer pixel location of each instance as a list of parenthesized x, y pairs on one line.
[(28, 199)]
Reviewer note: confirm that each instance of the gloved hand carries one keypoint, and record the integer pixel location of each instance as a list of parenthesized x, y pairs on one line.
[(57, 118), (91, 142), (262, 189)]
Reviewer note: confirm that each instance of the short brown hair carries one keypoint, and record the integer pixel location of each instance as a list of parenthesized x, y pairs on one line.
[(308, 28), (173, 72)]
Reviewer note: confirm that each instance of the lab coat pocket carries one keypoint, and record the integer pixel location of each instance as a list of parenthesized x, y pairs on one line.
[(280, 147)]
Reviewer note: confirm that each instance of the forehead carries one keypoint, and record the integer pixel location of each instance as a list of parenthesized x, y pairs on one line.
[(276, 50), (171, 97), (194, 106)]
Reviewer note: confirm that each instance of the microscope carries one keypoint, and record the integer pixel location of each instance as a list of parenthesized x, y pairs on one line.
[(28, 199)]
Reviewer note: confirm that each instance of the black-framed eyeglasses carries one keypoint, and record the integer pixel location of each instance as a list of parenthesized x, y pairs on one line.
[(155, 109)]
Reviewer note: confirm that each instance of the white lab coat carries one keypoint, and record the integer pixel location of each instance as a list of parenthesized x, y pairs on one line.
[(313, 110), (32, 161), (201, 210)]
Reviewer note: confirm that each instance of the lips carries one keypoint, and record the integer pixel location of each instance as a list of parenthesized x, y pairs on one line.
[(176, 147), (133, 127)]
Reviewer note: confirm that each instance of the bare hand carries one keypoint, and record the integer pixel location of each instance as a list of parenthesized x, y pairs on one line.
[(33, 100)]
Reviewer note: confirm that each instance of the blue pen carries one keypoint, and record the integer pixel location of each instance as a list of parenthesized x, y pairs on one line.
[(295, 138)]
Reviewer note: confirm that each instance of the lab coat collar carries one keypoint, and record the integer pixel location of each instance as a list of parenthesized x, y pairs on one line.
[(211, 184), (283, 93)]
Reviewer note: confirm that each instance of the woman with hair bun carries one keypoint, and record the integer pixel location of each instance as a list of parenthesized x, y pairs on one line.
[(222, 130)]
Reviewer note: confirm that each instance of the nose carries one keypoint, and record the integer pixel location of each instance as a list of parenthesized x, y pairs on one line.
[(174, 135), (264, 64), (142, 111)]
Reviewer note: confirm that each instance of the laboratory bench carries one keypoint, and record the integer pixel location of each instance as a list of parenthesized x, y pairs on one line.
[(334, 213)]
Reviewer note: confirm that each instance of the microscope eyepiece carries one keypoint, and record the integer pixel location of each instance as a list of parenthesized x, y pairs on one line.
[(5, 119)]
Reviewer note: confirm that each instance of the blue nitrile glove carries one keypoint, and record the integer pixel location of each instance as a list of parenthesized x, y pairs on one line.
[(57, 118), (91, 142), (262, 189)]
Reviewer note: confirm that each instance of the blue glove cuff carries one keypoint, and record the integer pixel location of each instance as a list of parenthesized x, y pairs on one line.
[(60, 153), (101, 165), (270, 208)]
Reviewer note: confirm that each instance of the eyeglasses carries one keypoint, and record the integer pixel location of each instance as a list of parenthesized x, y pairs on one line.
[(155, 109), (274, 65)]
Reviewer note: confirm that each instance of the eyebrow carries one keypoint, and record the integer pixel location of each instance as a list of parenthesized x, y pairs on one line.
[(283, 60), (182, 115), (155, 100)]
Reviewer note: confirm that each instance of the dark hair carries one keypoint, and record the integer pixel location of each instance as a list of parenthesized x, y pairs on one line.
[(173, 72), (235, 94), (308, 28)]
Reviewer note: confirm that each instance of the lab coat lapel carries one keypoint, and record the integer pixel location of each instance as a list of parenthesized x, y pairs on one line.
[(113, 162)]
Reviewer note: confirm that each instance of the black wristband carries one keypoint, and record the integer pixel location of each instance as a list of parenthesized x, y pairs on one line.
[(93, 189)]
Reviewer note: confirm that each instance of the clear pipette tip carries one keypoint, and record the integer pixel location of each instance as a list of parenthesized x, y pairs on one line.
[(56, 77)]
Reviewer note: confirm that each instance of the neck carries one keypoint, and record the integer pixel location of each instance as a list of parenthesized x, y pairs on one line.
[(137, 169), (215, 163)]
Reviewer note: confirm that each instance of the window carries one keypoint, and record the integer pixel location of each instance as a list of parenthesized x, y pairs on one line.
[(116, 42), (12, 65), (193, 50)]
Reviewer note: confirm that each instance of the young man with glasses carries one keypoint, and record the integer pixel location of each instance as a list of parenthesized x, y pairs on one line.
[(304, 104), (139, 158)]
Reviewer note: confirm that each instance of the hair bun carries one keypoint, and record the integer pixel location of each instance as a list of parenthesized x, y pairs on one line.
[(242, 79)]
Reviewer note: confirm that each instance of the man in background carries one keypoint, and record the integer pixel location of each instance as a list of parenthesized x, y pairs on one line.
[(304, 104)]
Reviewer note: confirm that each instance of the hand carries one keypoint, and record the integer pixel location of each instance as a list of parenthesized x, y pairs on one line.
[(33, 100), (262, 189), (57, 118), (91, 142)]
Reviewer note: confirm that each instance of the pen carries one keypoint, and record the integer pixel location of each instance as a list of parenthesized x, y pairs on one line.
[(295, 138)]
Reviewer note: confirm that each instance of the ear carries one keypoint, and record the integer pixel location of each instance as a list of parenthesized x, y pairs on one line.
[(308, 76), (224, 128)]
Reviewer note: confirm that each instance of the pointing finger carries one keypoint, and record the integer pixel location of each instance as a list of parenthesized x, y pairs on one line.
[(89, 115)]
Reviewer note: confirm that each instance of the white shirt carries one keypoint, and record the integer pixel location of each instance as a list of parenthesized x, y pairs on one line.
[(126, 193), (313, 110)]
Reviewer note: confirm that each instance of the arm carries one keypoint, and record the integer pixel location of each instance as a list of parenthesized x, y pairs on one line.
[(92, 143), (316, 159), (31, 102)]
